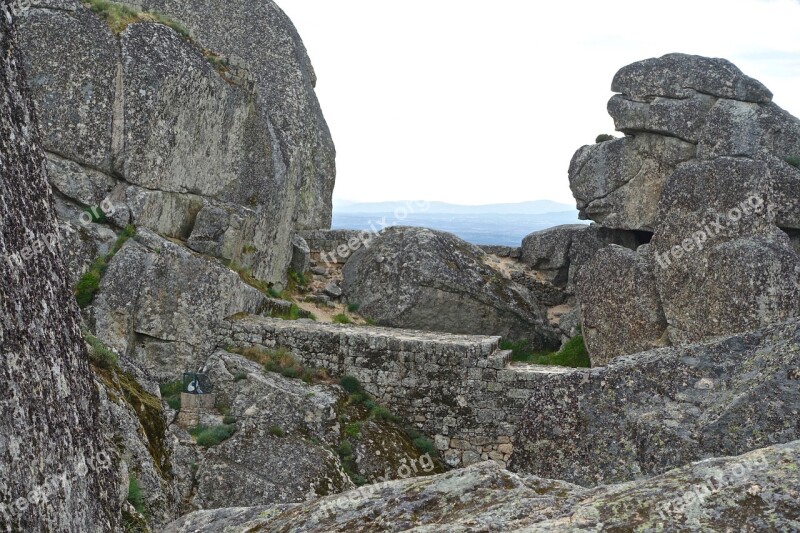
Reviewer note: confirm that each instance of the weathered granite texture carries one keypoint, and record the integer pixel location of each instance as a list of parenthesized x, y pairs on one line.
[(646, 413), (704, 168), (158, 299), (230, 155), (284, 82), (620, 282), (757, 491), (430, 280), (57, 471), (456, 389)]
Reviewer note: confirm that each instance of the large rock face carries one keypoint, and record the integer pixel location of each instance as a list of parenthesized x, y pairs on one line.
[(646, 413), (158, 303), (703, 167), (752, 492), (208, 140), (423, 279), (56, 468)]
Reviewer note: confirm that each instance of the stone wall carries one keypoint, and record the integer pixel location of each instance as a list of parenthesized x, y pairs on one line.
[(457, 389)]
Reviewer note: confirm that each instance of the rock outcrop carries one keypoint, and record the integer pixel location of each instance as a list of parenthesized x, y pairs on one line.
[(643, 414), (194, 134), (755, 491), (704, 168), (429, 280), (57, 470), (158, 302)]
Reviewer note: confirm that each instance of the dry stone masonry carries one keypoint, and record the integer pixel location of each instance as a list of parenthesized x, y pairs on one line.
[(458, 389)]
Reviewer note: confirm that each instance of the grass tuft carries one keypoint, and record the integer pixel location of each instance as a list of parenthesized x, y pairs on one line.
[(171, 393), (341, 318), (99, 354), (573, 354), (207, 436), (89, 283), (135, 494)]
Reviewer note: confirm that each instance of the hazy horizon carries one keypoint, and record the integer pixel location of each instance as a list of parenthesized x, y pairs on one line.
[(469, 102)]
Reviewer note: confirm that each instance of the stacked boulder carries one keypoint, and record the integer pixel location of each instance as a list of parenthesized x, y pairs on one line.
[(706, 167)]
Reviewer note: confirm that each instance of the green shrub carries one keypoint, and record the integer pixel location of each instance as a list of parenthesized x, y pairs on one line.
[(369, 404), (135, 494), (99, 354), (86, 288), (603, 137), (171, 393), (116, 16), (179, 28), (208, 436), (351, 384), (281, 361), (228, 420), (381, 413), (240, 376), (89, 283), (297, 279), (276, 431), (345, 449), (290, 372), (341, 318), (794, 161), (353, 308), (353, 430), (573, 354), (425, 445)]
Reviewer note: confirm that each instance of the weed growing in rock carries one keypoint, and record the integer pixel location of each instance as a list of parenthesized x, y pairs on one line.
[(351, 384), (99, 354), (281, 361), (207, 436), (353, 430), (794, 161), (118, 17), (135, 494), (425, 445), (353, 308), (572, 354), (296, 280), (89, 283), (276, 431), (171, 393), (240, 376), (342, 318)]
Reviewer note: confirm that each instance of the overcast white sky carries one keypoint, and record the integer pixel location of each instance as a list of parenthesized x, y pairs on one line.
[(477, 102)]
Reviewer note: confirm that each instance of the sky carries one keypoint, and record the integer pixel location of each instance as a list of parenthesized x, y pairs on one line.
[(477, 102)]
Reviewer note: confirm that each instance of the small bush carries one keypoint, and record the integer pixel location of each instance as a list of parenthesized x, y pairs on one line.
[(342, 318), (86, 288), (208, 436), (345, 449), (425, 445), (351, 384), (573, 354), (794, 161), (135, 494), (99, 354), (369, 404), (297, 279), (353, 308), (290, 372), (603, 137), (281, 361), (240, 376), (353, 430), (276, 431), (228, 420), (116, 16), (381, 413), (171, 393)]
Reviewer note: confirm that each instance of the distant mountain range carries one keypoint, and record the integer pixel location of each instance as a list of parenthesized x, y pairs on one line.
[(534, 207), (504, 224)]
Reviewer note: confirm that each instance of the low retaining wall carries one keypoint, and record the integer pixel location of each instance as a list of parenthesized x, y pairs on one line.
[(455, 388)]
